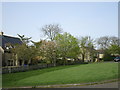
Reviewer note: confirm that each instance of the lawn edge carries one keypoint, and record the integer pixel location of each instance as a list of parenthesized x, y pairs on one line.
[(68, 85)]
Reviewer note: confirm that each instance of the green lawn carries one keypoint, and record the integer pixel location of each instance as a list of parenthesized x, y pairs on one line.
[(63, 75)]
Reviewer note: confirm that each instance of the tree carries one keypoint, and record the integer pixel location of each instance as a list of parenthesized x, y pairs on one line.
[(86, 45), (23, 52), (67, 46), (38, 55), (24, 39), (47, 50), (19, 53), (103, 42), (114, 49), (106, 41), (114, 40), (51, 30), (107, 56), (110, 46)]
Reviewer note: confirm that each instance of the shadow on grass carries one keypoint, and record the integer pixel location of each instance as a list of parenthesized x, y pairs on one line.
[(7, 78)]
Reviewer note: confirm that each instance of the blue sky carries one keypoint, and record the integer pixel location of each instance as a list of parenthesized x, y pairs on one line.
[(95, 19)]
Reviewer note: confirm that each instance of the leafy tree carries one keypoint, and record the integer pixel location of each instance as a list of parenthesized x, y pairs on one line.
[(47, 49), (67, 46), (107, 56), (23, 52), (51, 30), (110, 45), (86, 45), (20, 53), (114, 49)]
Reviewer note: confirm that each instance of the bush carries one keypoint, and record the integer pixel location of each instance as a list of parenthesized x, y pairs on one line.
[(108, 56)]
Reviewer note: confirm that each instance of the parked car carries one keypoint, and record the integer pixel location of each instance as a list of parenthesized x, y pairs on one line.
[(117, 59)]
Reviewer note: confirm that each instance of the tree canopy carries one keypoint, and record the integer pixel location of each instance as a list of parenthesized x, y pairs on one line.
[(59, 47), (67, 46)]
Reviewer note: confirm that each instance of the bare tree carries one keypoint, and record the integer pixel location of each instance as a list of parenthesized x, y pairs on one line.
[(51, 30), (103, 42), (106, 41), (114, 40)]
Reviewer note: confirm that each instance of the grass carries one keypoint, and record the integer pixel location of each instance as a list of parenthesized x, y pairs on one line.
[(63, 75)]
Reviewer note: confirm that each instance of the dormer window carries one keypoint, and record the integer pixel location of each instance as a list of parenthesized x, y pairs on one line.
[(7, 48)]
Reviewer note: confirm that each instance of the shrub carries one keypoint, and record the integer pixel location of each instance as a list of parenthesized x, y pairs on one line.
[(108, 56)]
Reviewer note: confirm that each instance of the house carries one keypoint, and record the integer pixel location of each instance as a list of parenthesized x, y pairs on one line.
[(88, 54), (100, 54), (5, 55)]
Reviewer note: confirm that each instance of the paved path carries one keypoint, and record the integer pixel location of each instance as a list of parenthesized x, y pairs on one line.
[(105, 85)]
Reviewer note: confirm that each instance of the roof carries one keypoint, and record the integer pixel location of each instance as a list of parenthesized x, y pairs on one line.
[(100, 51), (8, 39)]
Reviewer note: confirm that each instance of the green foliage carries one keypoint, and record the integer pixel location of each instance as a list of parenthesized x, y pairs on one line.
[(114, 49), (62, 47), (23, 52), (86, 47), (106, 41), (63, 75), (107, 56), (46, 51), (67, 46)]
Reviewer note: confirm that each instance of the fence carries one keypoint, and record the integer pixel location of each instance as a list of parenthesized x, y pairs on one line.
[(33, 67), (24, 68)]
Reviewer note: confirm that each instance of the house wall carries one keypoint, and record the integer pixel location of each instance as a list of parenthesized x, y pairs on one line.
[(1, 51), (8, 59), (86, 58), (1, 55), (0, 40), (101, 55), (0, 58)]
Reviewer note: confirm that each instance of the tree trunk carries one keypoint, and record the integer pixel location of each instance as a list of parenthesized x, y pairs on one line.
[(23, 62), (64, 61), (83, 56), (54, 60), (29, 61), (17, 63)]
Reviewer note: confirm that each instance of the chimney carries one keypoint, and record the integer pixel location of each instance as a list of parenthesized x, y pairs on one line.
[(1, 33)]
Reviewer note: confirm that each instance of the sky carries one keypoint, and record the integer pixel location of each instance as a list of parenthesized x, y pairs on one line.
[(93, 19)]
